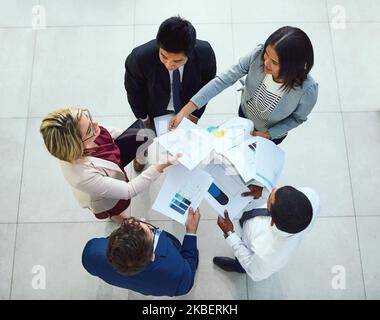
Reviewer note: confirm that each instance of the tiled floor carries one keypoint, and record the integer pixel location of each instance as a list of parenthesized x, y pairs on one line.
[(78, 60)]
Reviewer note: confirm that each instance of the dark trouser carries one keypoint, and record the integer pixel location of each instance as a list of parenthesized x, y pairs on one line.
[(276, 141), (238, 266)]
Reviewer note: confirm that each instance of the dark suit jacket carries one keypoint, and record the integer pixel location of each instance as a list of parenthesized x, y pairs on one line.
[(147, 80), (170, 274)]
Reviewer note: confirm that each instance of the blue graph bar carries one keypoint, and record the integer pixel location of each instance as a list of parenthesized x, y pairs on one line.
[(177, 209)]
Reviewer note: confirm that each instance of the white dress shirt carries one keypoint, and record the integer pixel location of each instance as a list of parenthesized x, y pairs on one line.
[(170, 106), (264, 249)]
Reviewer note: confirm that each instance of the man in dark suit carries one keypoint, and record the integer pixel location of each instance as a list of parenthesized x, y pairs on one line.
[(142, 258), (163, 74)]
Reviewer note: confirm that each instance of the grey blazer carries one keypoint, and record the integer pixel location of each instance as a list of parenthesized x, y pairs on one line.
[(291, 111)]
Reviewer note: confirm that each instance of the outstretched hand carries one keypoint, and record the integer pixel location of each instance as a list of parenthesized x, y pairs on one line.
[(225, 224), (192, 220), (167, 160), (255, 192)]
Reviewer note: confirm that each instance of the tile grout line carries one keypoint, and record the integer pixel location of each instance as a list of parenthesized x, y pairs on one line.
[(159, 220), (23, 160), (353, 203), (208, 115), (346, 146), (198, 23)]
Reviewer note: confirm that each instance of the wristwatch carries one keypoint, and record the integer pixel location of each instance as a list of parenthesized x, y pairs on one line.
[(228, 233)]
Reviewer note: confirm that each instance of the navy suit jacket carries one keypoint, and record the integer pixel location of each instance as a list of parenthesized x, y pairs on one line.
[(147, 81), (170, 274)]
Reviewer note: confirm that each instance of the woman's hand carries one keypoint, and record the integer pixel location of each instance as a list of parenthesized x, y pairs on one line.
[(263, 134), (185, 111), (167, 160), (175, 121)]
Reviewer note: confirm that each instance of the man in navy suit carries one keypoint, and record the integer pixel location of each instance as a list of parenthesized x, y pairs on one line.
[(142, 258), (163, 74)]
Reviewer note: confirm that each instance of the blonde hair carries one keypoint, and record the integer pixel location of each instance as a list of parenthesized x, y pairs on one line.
[(61, 134)]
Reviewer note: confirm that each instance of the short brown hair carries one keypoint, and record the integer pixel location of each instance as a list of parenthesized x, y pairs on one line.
[(61, 133), (129, 248)]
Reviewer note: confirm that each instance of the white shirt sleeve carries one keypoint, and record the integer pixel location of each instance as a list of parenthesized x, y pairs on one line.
[(250, 262)]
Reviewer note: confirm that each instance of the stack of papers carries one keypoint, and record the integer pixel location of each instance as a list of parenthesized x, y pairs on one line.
[(253, 160)]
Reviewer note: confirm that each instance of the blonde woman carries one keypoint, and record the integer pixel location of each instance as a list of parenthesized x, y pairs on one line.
[(90, 162)]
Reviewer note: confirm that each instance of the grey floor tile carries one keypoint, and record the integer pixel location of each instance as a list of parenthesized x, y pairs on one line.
[(363, 143), (316, 156), (246, 11), (45, 194), (213, 11), (12, 152), (323, 70), (16, 13), (87, 65), (7, 237), (16, 58), (55, 250), (353, 65), (358, 11), (329, 248), (369, 239), (220, 38), (89, 12), (210, 282)]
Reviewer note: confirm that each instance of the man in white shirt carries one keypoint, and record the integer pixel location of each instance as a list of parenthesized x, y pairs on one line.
[(269, 235)]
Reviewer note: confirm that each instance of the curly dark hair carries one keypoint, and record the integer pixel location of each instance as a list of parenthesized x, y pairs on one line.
[(129, 248), (292, 211)]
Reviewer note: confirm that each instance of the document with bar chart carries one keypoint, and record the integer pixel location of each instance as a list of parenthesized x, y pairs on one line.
[(181, 190), (226, 189)]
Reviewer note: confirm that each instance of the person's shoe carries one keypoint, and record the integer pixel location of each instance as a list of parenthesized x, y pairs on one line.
[(138, 166), (227, 264)]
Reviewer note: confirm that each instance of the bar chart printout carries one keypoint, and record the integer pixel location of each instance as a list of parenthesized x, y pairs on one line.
[(181, 190), (180, 204)]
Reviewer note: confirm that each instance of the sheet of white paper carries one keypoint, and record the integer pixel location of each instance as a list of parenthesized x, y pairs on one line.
[(162, 124), (231, 133), (269, 163), (181, 190), (257, 159), (226, 189), (193, 142), (243, 158)]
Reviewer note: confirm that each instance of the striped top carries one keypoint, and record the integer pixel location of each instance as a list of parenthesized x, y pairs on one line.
[(265, 99)]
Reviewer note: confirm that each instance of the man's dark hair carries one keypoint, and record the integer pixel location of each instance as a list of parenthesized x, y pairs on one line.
[(129, 248), (295, 53), (176, 35), (291, 211)]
